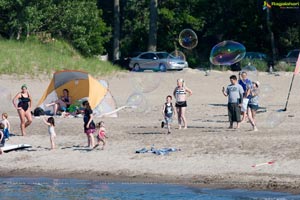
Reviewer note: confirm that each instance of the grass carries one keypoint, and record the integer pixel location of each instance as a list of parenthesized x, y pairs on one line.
[(32, 57)]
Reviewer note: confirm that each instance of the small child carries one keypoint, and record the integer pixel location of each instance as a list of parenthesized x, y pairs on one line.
[(101, 135), (167, 111), (51, 124), (6, 124)]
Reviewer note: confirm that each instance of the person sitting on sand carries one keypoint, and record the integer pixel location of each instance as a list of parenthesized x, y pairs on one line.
[(61, 104), (101, 135), (234, 91)]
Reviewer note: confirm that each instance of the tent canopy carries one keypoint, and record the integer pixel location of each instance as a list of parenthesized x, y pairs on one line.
[(81, 86)]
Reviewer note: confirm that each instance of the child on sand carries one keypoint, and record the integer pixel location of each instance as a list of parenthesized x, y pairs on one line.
[(51, 124), (234, 92), (6, 124), (101, 134), (167, 111), (89, 125)]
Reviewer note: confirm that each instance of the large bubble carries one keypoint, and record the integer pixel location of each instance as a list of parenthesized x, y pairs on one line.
[(227, 53), (5, 97), (188, 39), (138, 102), (145, 82), (251, 71), (178, 54), (274, 119)]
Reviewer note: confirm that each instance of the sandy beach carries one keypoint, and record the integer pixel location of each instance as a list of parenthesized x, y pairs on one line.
[(211, 154)]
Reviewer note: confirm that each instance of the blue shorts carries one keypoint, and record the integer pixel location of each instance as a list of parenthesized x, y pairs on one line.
[(253, 107)]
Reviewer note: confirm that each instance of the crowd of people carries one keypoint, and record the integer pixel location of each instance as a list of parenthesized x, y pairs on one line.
[(242, 93)]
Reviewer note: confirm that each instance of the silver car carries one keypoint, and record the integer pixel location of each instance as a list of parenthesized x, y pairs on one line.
[(156, 61)]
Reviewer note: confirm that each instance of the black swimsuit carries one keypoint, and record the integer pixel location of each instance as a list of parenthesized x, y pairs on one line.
[(23, 102)]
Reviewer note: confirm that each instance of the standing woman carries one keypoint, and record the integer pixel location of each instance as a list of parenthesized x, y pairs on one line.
[(23, 107), (89, 125), (180, 93)]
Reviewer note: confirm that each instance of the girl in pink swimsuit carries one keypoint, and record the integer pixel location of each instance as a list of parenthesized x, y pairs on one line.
[(101, 134)]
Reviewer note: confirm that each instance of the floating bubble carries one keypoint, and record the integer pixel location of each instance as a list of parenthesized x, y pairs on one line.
[(188, 39), (266, 92), (178, 54), (227, 53), (274, 119), (137, 101), (5, 98), (145, 82), (251, 71)]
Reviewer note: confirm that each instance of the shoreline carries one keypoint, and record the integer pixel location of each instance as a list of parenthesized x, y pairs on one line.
[(262, 182)]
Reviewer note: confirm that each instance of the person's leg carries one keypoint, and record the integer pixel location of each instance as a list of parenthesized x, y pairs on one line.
[(88, 139), (237, 113), (183, 109), (52, 142), (28, 117), (1, 151), (92, 143), (178, 109), (21, 113), (104, 143), (229, 107), (250, 117)]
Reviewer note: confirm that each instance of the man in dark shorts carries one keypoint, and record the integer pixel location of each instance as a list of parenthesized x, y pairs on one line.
[(234, 92)]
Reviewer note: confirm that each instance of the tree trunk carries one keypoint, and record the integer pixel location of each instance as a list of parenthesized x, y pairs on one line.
[(152, 43), (116, 32)]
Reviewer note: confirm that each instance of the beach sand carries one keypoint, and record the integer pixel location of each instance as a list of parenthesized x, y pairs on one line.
[(211, 154)]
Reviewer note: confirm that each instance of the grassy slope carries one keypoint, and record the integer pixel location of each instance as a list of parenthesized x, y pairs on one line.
[(33, 58)]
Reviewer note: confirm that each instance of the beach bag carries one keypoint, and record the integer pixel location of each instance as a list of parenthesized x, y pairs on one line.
[(245, 105), (38, 111)]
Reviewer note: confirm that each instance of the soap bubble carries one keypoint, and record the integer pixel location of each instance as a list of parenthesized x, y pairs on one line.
[(227, 53), (251, 71), (145, 82), (137, 101), (274, 119), (178, 54), (6, 99), (188, 39)]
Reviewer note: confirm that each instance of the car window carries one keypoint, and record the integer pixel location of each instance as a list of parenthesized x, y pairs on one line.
[(147, 56), (293, 54), (162, 55)]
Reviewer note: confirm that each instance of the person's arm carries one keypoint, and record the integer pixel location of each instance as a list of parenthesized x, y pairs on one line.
[(8, 125), (163, 110), (174, 93), (15, 99), (189, 91), (30, 102), (224, 92), (45, 121)]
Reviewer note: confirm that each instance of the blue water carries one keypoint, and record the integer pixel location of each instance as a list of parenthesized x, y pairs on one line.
[(58, 189)]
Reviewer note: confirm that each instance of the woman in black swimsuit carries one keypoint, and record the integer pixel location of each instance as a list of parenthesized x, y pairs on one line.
[(23, 107)]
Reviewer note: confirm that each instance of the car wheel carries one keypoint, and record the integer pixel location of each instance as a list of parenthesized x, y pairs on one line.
[(162, 67), (136, 67)]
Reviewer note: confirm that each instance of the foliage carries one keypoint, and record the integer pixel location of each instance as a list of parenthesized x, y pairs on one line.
[(34, 58), (79, 22)]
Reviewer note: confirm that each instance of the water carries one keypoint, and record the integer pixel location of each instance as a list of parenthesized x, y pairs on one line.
[(58, 189)]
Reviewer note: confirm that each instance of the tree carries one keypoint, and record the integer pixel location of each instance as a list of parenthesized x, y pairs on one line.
[(116, 36), (152, 42)]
